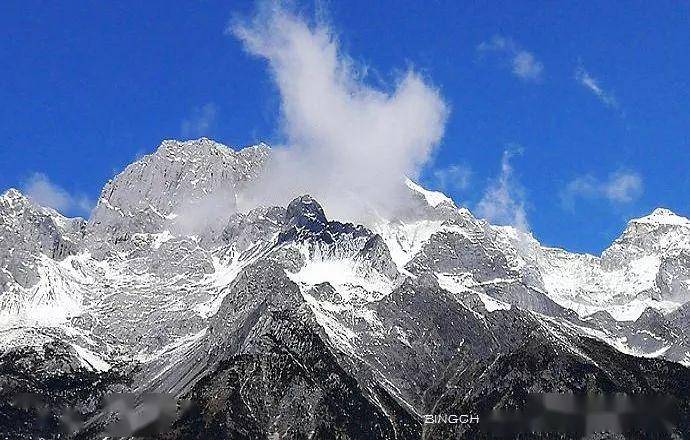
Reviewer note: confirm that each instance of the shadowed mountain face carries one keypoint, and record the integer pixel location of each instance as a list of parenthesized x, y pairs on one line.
[(282, 378), (278, 322)]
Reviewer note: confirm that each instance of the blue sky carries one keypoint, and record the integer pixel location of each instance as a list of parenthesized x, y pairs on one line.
[(566, 118)]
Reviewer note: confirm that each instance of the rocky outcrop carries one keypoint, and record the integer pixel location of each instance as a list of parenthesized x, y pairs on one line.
[(281, 321), (186, 187)]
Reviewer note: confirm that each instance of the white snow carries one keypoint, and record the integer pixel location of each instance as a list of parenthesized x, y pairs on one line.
[(621, 343), (453, 283), (91, 360), (633, 310), (57, 296), (492, 304), (339, 335), (180, 344), (580, 283), (219, 280), (160, 238), (433, 198), (343, 276), (458, 284), (405, 240), (662, 216)]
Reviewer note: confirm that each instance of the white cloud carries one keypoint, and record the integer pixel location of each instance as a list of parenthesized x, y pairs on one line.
[(347, 143), (591, 84), (39, 189), (503, 201), (454, 177), (199, 121), (618, 187), (524, 64), (623, 187), (208, 213), (497, 44)]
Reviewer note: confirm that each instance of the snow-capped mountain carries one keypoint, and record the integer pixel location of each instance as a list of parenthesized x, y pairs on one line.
[(279, 322)]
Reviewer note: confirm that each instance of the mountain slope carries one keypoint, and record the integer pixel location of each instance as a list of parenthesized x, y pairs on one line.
[(281, 321)]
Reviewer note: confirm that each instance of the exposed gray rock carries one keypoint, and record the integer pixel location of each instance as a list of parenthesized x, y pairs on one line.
[(28, 231), (279, 321), (187, 187)]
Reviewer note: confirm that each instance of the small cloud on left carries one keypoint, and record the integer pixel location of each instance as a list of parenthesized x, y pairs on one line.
[(200, 121), (42, 191)]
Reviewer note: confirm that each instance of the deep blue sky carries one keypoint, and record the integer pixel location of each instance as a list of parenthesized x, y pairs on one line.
[(85, 87)]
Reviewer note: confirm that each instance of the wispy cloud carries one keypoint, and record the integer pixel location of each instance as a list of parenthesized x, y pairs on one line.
[(455, 177), (42, 191), (503, 201), (348, 143), (587, 81), (200, 121), (619, 187), (523, 63)]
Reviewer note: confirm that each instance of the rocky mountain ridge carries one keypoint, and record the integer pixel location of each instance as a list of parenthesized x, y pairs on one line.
[(169, 287)]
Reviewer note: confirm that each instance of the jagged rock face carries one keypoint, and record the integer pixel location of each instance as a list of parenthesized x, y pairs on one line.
[(376, 255), (454, 252), (306, 221), (659, 233), (186, 187), (282, 322), (291, 386), (652, 253), (273, 374), (260, 225), (673, 278), (27, 231), (305, 213)]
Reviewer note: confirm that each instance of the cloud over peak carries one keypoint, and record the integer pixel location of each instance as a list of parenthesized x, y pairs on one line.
[(347, 143), (42, 191)]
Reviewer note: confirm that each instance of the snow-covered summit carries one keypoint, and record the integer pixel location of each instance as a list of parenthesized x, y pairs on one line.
[(433, 198), (172, 215), (30, 234), (12, 196), (21, 211), (663, 216), (661, 233), (170, 275)]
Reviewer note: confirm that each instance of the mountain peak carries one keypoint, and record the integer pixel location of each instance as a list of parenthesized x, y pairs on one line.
[(13, 195), (181, 183), (14, 200), (663, 216), (179, 149), (305, 211), (193, 147), (433, 198)]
